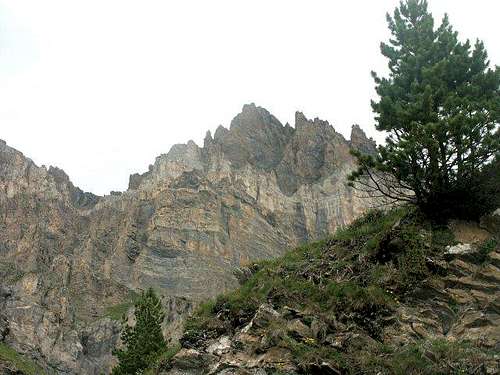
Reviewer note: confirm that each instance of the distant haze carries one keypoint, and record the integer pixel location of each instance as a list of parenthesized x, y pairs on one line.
[(100, 88)]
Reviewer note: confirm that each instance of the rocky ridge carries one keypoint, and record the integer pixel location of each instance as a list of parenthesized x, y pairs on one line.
[(185, 227)]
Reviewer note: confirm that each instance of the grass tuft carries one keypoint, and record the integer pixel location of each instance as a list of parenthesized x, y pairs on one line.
[(118, 311)]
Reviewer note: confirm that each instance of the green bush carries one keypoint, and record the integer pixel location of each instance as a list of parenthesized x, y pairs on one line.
[(485, 249)]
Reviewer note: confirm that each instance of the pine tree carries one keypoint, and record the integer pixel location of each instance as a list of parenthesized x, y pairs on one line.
[(144, 341), (440, 107)]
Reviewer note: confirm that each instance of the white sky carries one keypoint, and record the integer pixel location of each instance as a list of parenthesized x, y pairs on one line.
[(101, 87)]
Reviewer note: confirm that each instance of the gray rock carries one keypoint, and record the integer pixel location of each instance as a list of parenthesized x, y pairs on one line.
[(465, 248), (265, 315), (220, 346), (298, 329), (360, 142), (194, 361)]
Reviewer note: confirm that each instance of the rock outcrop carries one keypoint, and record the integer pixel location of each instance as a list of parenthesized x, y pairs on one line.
[(184, 227), (448, 322)]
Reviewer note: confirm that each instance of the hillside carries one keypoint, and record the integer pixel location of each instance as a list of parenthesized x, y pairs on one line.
[(72, 262), (390, 294)]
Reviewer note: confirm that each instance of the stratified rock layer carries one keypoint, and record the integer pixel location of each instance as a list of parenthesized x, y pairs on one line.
[(184, 227)]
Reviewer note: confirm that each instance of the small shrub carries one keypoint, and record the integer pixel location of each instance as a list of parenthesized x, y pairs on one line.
[(485, 249), (116, 312)]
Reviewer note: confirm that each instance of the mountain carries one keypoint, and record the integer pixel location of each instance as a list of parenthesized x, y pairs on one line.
[(71, 262)]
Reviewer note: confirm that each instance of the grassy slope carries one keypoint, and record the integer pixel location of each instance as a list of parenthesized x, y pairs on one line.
[(20, 362), (354, 282), (118, 311)]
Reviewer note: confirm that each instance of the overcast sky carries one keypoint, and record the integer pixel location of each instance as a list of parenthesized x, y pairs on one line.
[(101, 87)]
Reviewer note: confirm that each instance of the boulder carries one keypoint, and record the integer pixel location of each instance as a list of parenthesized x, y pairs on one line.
[(192, 361), (459, 249), (297, 329), (264, 315), (220, 346)]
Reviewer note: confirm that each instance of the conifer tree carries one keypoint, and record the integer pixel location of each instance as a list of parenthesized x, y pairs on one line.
[(143, 342), (440, 108)]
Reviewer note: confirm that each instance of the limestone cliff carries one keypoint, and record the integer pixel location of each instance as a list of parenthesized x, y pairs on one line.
[(184, 227)]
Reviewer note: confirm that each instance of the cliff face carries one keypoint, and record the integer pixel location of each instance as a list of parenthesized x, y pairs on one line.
[(184, 227)]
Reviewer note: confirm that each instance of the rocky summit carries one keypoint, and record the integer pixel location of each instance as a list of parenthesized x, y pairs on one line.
[(72, 262)]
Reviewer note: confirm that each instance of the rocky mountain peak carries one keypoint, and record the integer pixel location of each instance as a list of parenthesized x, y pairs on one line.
[(300, 119), (359, 141), (296, 156), (254, 118), (255, 137), (302, 123), (59, 175), (208, 140)]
